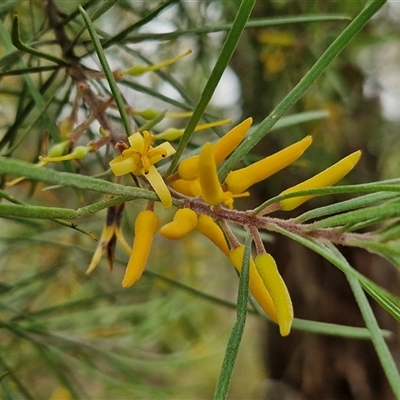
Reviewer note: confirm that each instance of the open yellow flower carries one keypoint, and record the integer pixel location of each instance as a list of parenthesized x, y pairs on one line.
[(139, 159)]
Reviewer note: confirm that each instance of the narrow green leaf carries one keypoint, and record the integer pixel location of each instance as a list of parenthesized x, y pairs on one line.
[(17, 42), (254, 23), (381, 348), (107, 72), (104, 7), (78, 181), (35, 94), (346, 205), (242, 16), (221, 391), (30, 70), (373, 214), (298, 118), (391, 185)]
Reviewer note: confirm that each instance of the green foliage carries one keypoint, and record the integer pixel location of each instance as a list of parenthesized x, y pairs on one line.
[(62, 76)]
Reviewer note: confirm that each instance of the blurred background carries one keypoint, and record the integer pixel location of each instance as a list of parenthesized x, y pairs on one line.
[(64, 334)]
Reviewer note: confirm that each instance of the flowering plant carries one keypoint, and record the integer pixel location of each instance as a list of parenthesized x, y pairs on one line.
[(180, 191)]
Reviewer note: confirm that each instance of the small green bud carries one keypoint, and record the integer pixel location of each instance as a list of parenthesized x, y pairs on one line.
[(58, 149), (148, 113), (169, 134)]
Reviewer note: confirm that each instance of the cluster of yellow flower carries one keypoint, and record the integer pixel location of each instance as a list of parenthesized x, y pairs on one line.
[(200, 196), (197, 181)]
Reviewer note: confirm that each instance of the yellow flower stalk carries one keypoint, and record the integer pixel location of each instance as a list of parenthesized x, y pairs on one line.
[(146, 225), (241, 179), (276, 287), (189, 169), (211, 190), (325, 178), (139, 159), (184, 221), (211, 230), (256, 284)]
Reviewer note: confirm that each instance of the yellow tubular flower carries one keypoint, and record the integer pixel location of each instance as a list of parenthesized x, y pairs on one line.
[(211, 230), (325, 178), (139, 159), (189, 169), (276, 287), (184, 221), (256, 284), (241, 179), (211, 190), (146, 225)]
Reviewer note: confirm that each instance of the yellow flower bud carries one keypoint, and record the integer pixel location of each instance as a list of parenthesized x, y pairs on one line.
[(189, 169), (325, 178), (146, 225), (241, 179), (211, 230), (184, 221), (211, 190), (256, 284), (276, 287)]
